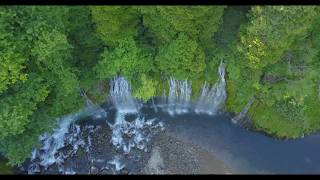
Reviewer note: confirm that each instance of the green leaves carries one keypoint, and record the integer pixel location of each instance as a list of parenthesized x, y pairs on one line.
[(146, 89), (272, 30), (35, 76), (16, 109), (280, 43), (114, 23), (182, 58), (11, 69), (12, 62), (166, 22), (47, 54), (127, 59)]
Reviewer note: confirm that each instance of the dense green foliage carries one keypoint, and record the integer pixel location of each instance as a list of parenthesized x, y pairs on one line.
[(43, 86), (4, 168), (278, 57), (182, 58), (115, 23), (49, 54)]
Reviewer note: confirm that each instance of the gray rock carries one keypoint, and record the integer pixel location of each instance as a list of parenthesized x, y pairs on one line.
[(155, 164), (104, 171), (94, 170), (124, 171)]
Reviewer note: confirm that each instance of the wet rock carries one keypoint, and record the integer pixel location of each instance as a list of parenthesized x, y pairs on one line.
[(22, 169), (104, 171), (33, 168), (94, 170), (155, 164), (131, 117), (69, 172), (124, 171), (172, 156)]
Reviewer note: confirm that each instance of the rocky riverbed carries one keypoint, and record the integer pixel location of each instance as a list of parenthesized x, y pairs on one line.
[(164, 155), (172, 156)]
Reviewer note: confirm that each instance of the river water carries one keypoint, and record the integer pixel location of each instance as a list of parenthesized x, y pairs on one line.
[(243, 150), (123, 130)]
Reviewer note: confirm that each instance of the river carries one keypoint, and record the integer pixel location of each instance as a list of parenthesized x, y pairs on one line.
[(243, 151)]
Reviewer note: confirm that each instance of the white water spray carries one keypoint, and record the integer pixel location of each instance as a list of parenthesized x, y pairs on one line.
[(243, 113), (211, 100), (179, 98), (120, 95), (128, 134), (67, 133), (96, 110)]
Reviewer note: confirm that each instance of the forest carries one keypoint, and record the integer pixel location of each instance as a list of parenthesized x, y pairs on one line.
[(49, 54)]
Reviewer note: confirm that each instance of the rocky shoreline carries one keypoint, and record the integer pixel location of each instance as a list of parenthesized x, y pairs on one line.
[(172, 156), (165, 155)]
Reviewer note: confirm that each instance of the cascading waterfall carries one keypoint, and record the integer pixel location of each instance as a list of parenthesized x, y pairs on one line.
[(49, 153), (154, 106), (179, 97), (67, 133), (211, 100), (130, 128), (54, 151), (120, 95), (97, 111), (238, 118), (128, 134), (179, 101), (161, 102)]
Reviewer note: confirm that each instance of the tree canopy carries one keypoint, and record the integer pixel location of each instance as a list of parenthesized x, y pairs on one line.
[(48, 54)]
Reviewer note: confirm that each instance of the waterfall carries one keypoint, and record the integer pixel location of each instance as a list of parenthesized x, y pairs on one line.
[(135, 134), (67, 133), (97, 111), (116, 162), (179, 96), (162, 102), (211, 100), (48, 154), (179, 101), (154, 106), (51, 144), (242, 114), (132, 132), (120, 95)]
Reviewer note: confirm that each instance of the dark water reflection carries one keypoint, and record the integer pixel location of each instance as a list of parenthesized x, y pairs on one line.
[(243, 150)]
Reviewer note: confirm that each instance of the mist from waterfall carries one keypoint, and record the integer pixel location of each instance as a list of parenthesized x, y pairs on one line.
[(211, 99), (97, 111), (179, 99), (241, 117), (133, 134), (130, 130), (128, 134), (67, 133), (209, 102), (120, 95)]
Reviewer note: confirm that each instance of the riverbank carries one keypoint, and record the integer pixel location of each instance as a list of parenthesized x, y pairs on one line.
[(165, 155), (172, 156)]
